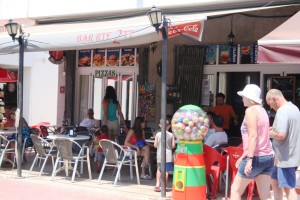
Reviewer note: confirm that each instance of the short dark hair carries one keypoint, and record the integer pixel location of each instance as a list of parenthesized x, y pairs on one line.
[(218, 121), (104, 129), (212, 114), (220, 94)]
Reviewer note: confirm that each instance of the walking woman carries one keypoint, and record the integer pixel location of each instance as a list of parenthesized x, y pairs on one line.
[(111, 107), (136, 140), (258, 160)]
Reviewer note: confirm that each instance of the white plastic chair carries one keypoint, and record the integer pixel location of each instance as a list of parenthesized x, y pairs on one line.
[(66, 156), (5, 148), (117, 156), (43, 150)]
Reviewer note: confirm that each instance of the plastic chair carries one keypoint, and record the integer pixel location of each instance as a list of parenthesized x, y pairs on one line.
[(117, 156), (235, 141), (5, 149), (234, 153), (42, 153), (215, 163), (66, 156)]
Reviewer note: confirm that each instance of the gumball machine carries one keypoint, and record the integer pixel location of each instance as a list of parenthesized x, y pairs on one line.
[(189, 125)]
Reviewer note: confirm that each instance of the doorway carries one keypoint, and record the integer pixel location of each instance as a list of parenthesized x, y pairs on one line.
[(230, 83)]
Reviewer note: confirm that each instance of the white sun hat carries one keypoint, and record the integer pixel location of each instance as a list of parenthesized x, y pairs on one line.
[(252, 92)]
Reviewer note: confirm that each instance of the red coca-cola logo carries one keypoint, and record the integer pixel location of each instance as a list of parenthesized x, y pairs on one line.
[(191, 28)]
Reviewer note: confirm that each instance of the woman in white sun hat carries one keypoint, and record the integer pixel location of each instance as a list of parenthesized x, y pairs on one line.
[(257, 161)]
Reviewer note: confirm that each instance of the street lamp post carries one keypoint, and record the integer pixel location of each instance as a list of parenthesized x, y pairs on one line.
[(12, 29), (157, 19)]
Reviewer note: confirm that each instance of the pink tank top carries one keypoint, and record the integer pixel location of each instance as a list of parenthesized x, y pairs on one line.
[(263, 144)]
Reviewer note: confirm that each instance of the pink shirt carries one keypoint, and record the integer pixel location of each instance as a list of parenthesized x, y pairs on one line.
[(263, 144)]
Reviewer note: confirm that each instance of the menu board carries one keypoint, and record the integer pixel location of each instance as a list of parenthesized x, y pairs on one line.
[(286, 84), (211, 53), (227, 54), (127, 57), (248, 53), (147, 101), (84, 58), (113, 56), (99, 57)]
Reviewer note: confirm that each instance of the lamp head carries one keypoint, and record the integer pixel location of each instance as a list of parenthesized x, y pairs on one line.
[(231, 38), (12, 28), (155, 17)]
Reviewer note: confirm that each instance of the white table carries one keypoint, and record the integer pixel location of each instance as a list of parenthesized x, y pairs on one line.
[(78, 137), (8, 131)]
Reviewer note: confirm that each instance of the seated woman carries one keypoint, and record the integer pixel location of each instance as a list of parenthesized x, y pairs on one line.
[(136, 139), (219, 136)]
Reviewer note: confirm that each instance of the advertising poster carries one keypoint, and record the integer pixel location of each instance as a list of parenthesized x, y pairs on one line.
[(248, 53), (84, 58), (147, 101), (113, 56), (211, 53), (99, 58), (127, 57), (228, 54)]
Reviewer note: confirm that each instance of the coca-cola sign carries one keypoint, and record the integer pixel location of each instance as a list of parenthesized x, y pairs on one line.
[(191, 29), (56, 57)]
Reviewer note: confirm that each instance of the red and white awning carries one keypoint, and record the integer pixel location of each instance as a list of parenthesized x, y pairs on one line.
[(104, 34), (282, 45)]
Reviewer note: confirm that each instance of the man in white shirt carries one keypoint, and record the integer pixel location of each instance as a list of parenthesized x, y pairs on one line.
[(90, 121), (219, 137)]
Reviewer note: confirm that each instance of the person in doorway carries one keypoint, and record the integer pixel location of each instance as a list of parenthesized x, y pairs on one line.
[(170, 145), (226, 111), (219, 137), (99, 156), (90, 121), (285, 133), (135, 139), (258, 158), (111, 107)]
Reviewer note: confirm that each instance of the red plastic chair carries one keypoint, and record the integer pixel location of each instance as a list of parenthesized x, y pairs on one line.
[(215, 163), (234, 154)]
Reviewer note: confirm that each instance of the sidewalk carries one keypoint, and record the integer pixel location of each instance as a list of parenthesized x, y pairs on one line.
[(32, 187)]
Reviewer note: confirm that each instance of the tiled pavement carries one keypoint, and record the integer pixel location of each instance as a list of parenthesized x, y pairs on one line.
[(32, 187)]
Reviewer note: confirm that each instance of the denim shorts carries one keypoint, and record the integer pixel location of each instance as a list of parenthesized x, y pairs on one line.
[(260, 165), (286, 177), (169, 167), (99, 156)]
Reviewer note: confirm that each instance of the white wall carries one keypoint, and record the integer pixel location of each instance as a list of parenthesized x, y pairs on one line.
[(41, 80)]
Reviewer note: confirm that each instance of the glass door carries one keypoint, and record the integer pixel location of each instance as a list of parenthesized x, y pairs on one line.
[(125, 90)]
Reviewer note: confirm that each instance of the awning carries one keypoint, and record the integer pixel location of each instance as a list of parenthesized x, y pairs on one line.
[(7, 76), (104, 34), (282, 45)]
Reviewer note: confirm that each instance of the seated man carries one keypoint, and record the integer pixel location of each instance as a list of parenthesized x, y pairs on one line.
[(219, 137), (90, 121)]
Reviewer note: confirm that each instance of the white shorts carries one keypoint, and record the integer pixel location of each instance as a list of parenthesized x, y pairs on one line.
[(113, 127)]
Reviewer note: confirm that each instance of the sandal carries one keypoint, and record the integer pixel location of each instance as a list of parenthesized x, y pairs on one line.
[(157, 189), (146, 177)]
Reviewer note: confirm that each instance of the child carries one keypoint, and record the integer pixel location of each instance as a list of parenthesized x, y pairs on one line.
[(170, 144), (99, 156)]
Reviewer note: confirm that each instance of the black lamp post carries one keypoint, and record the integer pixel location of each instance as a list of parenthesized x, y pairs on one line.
[(12, 29), (157, 19)]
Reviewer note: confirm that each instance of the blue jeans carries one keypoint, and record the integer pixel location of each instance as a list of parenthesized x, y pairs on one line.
[(260, 165)]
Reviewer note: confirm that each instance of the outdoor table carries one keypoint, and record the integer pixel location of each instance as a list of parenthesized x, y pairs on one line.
[(8, 131)]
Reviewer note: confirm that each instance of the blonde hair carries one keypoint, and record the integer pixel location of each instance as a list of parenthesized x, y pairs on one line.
[(274, 93)]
